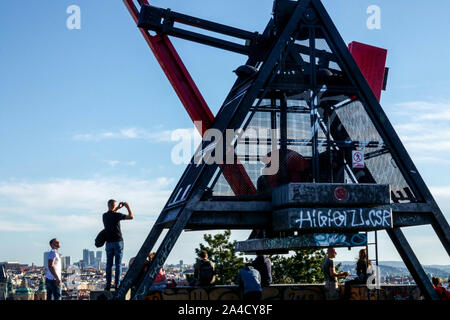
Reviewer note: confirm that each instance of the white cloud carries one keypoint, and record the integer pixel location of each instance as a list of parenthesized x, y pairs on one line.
[(70, 204), (114, 163), (441, 191), (18, 226), (135, 133), (424, 128)]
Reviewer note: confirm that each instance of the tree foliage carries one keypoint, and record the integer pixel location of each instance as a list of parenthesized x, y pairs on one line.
[(305, 266), (221, 251)]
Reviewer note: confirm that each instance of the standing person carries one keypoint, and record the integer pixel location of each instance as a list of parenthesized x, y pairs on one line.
[(249, 281), (204, 270), (263, 264), (331, 277), (114, 240), (53, 275), (361, 271)]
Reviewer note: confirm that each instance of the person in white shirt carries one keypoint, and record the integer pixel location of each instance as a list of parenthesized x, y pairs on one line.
[(53, 275)]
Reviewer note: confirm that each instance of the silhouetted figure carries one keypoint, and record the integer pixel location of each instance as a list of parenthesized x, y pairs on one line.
[(249, 281), (204, 271), (361, 272), (114, 240), (263, 264)]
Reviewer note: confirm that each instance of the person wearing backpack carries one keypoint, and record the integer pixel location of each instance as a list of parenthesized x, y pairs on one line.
[(204, 271)]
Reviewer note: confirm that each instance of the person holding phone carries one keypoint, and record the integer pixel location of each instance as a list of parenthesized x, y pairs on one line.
[(114, 240)]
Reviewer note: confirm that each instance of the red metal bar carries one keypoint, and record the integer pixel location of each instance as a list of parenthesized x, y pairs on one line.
[(372, 62), (177, 74), (190, 97)]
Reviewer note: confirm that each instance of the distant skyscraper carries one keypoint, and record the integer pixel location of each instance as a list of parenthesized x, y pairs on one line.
[(99, 256), (45, 259), (85, 257), (181, 265), (92, 258), (66, 262)]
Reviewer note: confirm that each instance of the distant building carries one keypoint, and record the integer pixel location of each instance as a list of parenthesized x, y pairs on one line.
[(41, 292), (66, 262), (13, 266), (99, 256), (45, 264), (24, 292), (85, 257), (181, 265), (92, 261)]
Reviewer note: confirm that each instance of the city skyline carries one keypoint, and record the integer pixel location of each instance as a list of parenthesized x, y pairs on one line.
[(76, 137)]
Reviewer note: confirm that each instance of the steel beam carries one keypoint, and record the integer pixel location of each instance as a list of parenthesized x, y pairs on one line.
[(412, 263)]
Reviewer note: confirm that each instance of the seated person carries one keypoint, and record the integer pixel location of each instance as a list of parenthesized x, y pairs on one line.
[(442, 293), (362, 265), (160, 281), (204, 271)]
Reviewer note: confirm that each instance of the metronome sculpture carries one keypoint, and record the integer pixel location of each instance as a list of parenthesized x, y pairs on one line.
[(301, 150)]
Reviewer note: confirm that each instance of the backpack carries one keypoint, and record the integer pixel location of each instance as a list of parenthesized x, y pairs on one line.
[(206, 272), (100, 239)]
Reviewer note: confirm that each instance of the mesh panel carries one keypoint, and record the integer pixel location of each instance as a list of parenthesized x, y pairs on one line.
[(325, 123)]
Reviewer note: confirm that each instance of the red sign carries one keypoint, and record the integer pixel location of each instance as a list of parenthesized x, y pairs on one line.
[(341, 194)]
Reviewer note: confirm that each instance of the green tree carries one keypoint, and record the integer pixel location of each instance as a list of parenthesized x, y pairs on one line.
[(305, 266), (221, 251)]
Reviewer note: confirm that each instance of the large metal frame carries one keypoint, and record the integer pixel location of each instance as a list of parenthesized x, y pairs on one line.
[(190, 207)]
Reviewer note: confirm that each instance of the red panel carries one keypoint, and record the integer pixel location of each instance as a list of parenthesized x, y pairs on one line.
[(372, 62)]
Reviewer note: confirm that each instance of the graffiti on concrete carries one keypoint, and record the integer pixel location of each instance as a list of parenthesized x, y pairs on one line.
[(339, 239), (316, 240), (339, 218), (281, 292)]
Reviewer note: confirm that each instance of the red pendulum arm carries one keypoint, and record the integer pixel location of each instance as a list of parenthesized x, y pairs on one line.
[(190, 97)]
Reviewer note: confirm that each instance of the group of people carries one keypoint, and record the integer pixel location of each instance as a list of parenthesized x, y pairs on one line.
[(363, 265), (251, 279), (114, 251), (331, 276)]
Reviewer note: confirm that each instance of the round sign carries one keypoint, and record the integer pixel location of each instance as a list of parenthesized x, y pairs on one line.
[(341, 194)]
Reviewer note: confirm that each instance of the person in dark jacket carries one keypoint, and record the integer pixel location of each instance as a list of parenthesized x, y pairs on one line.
[(263, 264), (249, 281), (204, 271), (114, 240), (361, 272)]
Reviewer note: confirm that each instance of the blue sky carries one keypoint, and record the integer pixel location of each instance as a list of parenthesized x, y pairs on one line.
[(86, 115)]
